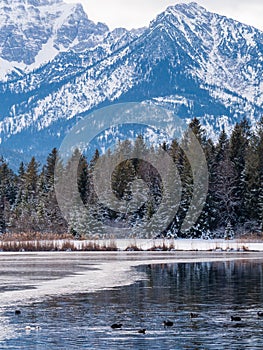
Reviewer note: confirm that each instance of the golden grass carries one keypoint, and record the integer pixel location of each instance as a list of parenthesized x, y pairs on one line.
[(52, 246)]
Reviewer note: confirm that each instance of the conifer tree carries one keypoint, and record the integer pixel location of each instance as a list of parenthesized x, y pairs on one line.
[(91, 195), (49, 214), (225, 187), (7, 195), (252, 180), (193, 175), (239, 141), (83, 179), (31, 179)]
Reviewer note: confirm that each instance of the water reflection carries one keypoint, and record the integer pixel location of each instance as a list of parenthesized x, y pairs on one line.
[(240, 282), (213, 291)]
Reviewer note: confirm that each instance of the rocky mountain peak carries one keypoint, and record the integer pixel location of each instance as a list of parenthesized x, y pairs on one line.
[(33, 32)]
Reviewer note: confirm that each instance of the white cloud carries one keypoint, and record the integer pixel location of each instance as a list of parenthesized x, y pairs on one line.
[(246, 11), (138, 13)]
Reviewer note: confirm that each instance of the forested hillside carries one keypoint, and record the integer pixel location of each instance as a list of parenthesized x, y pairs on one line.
[(234, 199)]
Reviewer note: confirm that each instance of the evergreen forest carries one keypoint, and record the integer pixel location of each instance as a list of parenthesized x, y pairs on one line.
[(233, 202)]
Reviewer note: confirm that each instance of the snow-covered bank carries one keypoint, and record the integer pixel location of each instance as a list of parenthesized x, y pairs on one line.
[(137, 244), (133, 245), (191, 244), (185, 244)]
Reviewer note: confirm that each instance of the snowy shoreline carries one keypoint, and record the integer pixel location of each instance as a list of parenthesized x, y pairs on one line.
[(185, 244), (133, 244)]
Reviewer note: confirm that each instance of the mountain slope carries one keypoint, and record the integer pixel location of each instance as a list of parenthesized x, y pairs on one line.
[(189, 60)]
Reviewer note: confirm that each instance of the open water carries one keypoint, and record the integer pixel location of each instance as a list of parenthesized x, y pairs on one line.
[(214, 291)]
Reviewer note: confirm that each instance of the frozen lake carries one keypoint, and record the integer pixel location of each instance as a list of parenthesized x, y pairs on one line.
[(75, 297)]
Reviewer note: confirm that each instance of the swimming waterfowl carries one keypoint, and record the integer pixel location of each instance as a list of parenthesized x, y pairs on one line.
[(116, 325), (142, 331), (235, 318), (193, 315), (168, 323), (260, 313), (17, 312), (32, 328)]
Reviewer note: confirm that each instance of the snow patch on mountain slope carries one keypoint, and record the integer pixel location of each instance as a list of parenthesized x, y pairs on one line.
[(87, 93)]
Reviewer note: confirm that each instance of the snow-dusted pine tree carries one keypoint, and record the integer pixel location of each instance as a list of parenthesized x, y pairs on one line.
[(229, 232)]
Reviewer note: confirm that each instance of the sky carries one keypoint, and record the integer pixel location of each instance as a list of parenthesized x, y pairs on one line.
[(138, 13)]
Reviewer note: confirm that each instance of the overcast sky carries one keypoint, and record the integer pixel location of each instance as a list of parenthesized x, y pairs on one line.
[(138, 13)]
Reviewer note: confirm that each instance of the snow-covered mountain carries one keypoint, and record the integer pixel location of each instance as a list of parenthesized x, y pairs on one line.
[(189, 60), (33, 32)]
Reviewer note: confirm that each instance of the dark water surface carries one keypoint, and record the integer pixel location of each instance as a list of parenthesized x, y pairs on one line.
[(214, 290)]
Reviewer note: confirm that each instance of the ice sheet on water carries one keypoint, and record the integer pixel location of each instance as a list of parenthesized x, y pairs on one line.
[(48, 274), (42, 275)]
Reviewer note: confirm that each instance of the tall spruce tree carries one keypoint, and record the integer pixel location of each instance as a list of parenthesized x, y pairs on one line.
[(49, 214), (83, 179), (239, 142), (225, 186), (193, 175), (7, 195)]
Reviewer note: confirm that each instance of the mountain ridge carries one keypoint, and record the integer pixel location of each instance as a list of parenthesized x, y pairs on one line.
[(189, 60)]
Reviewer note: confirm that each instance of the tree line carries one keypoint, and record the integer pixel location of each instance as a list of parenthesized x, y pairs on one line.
[(233, 202)]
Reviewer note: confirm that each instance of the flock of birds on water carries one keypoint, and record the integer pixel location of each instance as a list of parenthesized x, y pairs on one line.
[(166, 323)]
